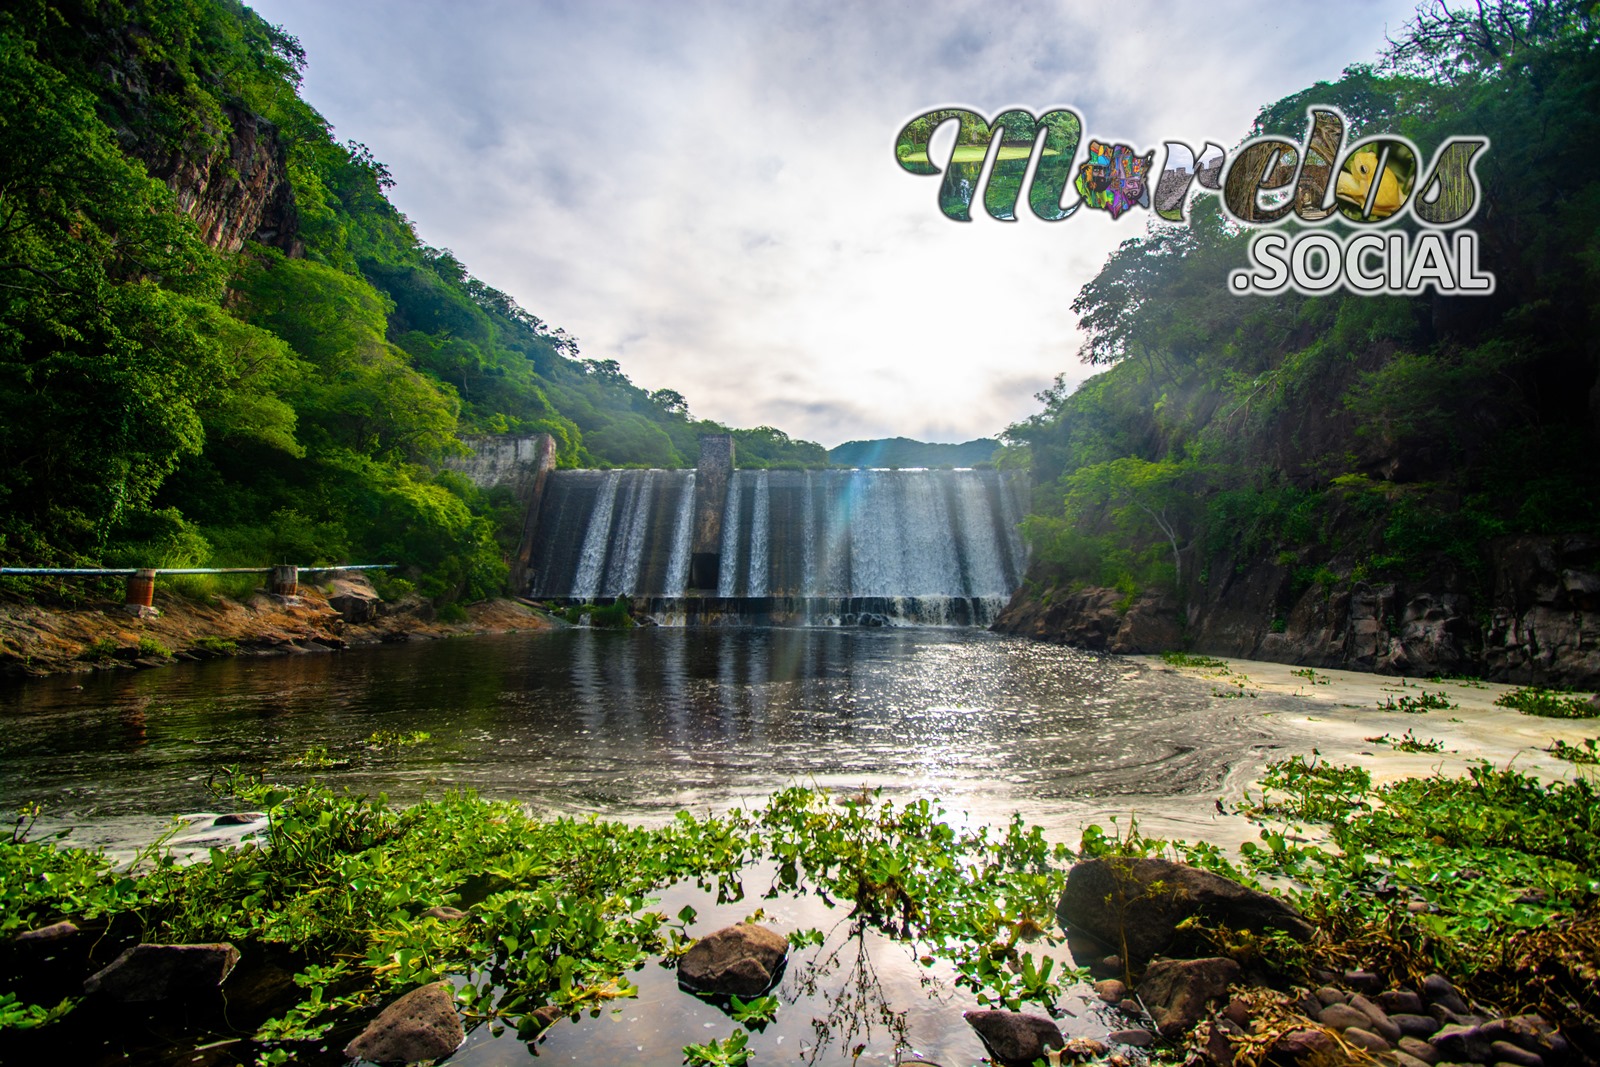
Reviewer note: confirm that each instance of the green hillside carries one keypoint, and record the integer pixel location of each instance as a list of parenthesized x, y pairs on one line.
[(221, 344), (904, 452)]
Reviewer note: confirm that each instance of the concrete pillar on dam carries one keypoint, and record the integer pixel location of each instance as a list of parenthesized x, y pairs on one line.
[(522, 464), (711, 479)]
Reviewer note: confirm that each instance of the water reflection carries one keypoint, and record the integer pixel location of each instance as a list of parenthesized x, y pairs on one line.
[(633, 724)]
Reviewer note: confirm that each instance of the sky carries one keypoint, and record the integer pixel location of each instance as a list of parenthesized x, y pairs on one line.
[(707, 192)]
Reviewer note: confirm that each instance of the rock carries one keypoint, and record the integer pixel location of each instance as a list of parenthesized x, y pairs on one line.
[(1329, 995), (1238, 1012), (1408, 1060), (446, 913), (1176, 991), (54, 932), (422, 1025), (1085, 1048), (1309, 1006), (743, 960), (1399, 1001), (1147, 918), (1530, 1032), (1380, 1022), (1458, 1043), (146, 973), (1418, 1049), (1130, 1007), (546, 1017), (1416, 1025), (1136, 1038), (1506, 1052), (1305, 1046), (1363, 981), (1014, 1039), (1342, 1016), (1112, 991), (1437, 990), (1366, 1039), (354, 600), (238, 818)]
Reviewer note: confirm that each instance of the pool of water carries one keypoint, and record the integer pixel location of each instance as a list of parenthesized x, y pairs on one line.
[(638, 725)]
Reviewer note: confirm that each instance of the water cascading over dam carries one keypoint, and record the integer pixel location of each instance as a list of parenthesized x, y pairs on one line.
[(930, 546)]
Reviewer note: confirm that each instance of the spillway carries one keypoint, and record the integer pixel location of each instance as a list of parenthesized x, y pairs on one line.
[(926, 546)]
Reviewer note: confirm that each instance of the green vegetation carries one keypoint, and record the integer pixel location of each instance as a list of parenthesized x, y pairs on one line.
[(174, 398), (1184, 659), (217, 646), (904, 452), (1408, 742), (560, 910), (1420, 704), (1587, 751), (1547, 705), (149, 646), (1347, 439), (396, 739)]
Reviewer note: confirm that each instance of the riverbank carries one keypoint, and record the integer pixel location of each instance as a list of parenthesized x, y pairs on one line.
[(41, 639)]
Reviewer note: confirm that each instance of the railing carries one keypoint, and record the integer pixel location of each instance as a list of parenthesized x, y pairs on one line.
[(283, 579)]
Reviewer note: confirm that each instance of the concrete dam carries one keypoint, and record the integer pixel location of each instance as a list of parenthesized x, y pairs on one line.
[(717, 544)]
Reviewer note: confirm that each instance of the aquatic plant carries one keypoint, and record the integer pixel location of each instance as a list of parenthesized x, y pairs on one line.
[(1547, 704)]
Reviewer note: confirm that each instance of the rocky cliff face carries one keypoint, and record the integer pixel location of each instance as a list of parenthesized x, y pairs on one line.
[(237, 190), (232, 178), (1541, 624)]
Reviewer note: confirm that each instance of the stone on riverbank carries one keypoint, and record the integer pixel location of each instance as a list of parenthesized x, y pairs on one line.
[(744, 960), (44, 934), (147, 973), (1143, 900), (1176, 991), (422, 1025), (1014, 1039)]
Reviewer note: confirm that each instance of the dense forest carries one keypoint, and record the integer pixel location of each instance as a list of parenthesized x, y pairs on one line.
[(1249, 464), (220, 344)]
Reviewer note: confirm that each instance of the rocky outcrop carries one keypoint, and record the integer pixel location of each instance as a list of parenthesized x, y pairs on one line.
[(422, 1025), (1101, 620), (38, 639), (1541, 624), (1138, 903), (744, 960), (235, 186)]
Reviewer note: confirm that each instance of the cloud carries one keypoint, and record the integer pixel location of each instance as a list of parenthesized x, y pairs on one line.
[(708, 193)]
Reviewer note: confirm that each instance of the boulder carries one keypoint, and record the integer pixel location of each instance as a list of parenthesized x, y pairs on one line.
[(1140, 902), (146, 973), (1341, 1017), (54, 932), (354, 600), (1418, 1049), (1416, 1025), (238, 818), (1399, 1001), (742, 960), (1175, 992), (422, 1025), (1133, 1038), (1366, 1039), (1014, 1039)]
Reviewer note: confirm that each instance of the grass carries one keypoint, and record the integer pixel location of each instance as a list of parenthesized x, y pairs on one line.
[(1548, 704)]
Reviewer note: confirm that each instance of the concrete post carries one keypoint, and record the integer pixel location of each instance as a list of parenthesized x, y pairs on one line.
[(711, 479), (284, 580)]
